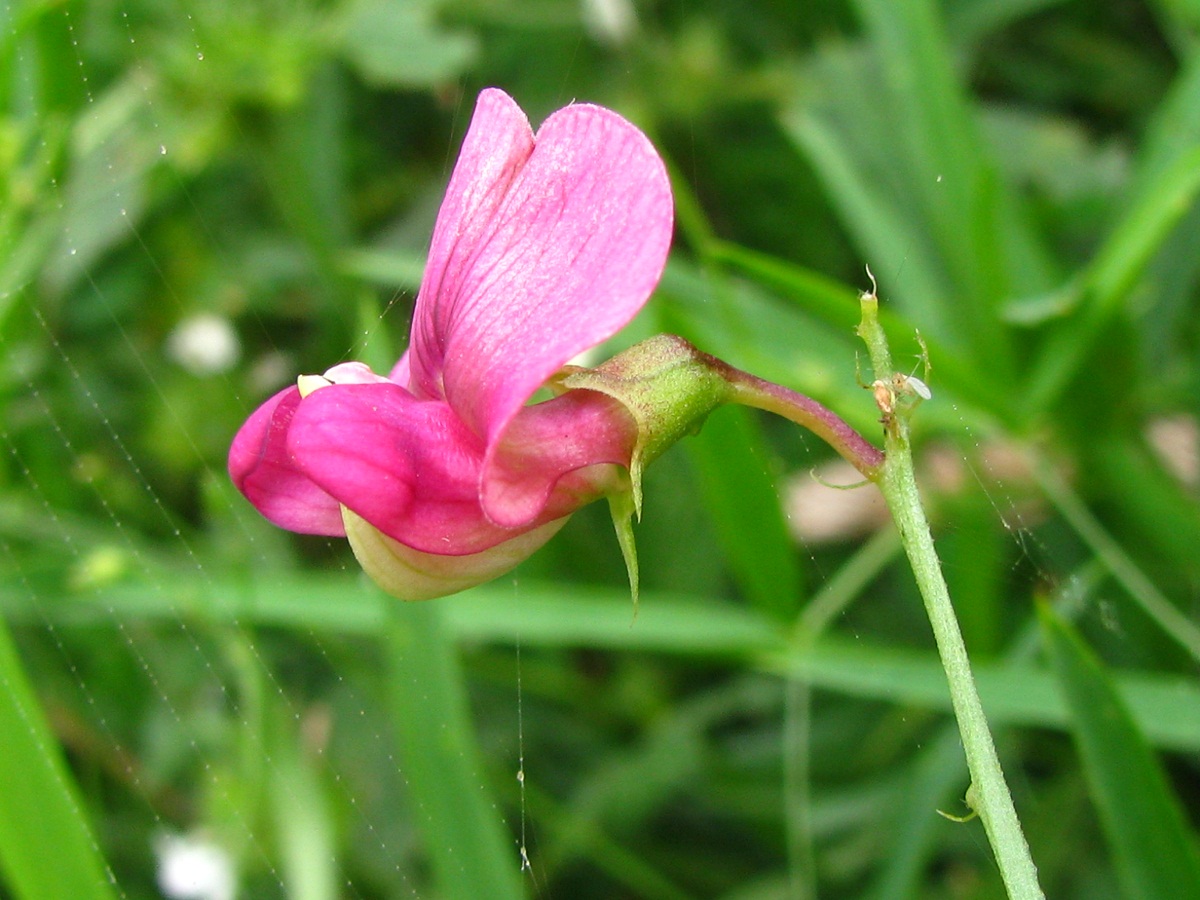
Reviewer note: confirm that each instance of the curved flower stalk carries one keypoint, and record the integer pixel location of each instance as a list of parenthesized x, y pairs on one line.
[(441, 474)]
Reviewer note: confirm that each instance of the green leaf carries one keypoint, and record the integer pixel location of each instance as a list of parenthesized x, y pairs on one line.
[(888, 128), (884, 231), (1166, 708), (391, 268), (1110, 278), (837, 305), (465, 839), (545, 614), (301, 813), (743, 501), (46, 846), (938, 769), (399, 44), (1155, 851), (1117, 560)]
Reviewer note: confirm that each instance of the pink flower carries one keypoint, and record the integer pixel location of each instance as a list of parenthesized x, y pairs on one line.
[(441, 474)]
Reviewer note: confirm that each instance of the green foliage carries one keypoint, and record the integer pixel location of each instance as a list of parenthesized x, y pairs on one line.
[(463, 836), (38, 806), (1021, 177), (1155, 850)]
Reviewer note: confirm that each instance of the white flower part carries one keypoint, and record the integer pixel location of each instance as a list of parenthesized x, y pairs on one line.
[(610, 21), (342, 373), (585, 359), (205, 344), (920, 388), (353, 373), (192, 867), (306, 384)]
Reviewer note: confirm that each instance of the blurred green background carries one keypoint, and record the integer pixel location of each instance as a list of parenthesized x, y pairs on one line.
[(200, 201)]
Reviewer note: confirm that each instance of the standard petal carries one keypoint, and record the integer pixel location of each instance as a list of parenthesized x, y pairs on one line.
[(261, 468), (496, 147), (400, 371), (563, 261)]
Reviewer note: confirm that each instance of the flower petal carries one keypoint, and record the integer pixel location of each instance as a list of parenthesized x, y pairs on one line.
[(400, 373), (519, 284), (497, 144), (409, 574), (261, 468), (407, 466), (411, 468), (548, 455)]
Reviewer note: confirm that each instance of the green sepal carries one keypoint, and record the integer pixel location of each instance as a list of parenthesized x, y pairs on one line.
[(623, 506), (666, 384)]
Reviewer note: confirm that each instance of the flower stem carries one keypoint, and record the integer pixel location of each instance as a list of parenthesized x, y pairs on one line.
[(989, 794), (750, 390)]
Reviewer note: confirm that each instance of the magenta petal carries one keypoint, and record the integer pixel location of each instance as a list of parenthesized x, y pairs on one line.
[(544, 247), (560, 262), (412, 469), (261, 468), (407, 466), (541, 466), (497, 144), (400, 373)]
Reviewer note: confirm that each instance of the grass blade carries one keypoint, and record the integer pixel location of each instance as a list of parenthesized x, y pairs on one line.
[(1154, 849), (1127, 573), (46, 846), (465, 840), (1113, 273), (743, 503), (1166, 708), (837, 305)]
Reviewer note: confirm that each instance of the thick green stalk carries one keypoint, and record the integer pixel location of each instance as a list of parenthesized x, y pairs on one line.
[(989, 795)]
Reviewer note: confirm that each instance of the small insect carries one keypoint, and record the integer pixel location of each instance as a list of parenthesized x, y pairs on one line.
[(900, 392), (909, 390), (885, 398), (919, 387)]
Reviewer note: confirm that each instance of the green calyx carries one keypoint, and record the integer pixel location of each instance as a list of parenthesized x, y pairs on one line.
[(667, 385), (669, 388)]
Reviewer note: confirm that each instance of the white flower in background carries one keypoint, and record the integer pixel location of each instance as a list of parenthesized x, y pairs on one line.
[(204, 344), (610, 21), (1177, 442), (192, 867), (270, 372)]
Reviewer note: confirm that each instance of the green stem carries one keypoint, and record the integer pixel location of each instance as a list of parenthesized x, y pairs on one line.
[(991, 798)]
